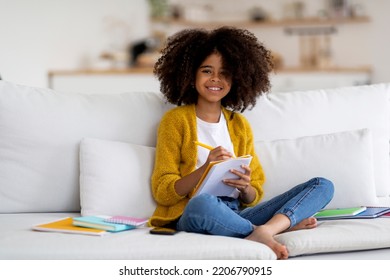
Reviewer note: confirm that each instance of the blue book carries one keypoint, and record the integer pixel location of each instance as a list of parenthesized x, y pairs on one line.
[(99, 223), (373, 212)]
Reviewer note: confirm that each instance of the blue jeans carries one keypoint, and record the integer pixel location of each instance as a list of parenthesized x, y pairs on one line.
[(222, 216)]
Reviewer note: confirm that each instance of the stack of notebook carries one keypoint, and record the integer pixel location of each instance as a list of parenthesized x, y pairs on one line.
[(361, 212), (92, 225)]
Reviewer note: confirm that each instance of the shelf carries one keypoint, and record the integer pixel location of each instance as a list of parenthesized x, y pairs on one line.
[(360, 69), (148, 70), (268, 23), (110, 71)]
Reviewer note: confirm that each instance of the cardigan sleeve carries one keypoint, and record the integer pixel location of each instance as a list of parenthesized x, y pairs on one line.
[(258, 177), (167, 161)]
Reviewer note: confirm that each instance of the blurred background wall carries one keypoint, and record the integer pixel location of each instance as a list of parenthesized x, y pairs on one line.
[(43, 35)]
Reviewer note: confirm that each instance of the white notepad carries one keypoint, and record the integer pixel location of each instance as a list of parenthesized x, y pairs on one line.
[(211, 181)]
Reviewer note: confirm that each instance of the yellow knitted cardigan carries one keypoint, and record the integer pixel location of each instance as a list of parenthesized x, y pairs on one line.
[(176, 156)]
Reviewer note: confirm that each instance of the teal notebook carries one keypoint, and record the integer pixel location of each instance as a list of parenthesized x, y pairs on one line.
[(339, 213), (99, 223)]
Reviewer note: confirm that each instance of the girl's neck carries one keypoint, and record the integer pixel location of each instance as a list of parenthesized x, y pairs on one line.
[(209, 113)]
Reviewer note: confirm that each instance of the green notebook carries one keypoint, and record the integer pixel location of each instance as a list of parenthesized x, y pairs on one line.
[(339, 212)]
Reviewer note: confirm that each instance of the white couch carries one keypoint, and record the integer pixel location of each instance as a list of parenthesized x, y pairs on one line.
[(65, 154)]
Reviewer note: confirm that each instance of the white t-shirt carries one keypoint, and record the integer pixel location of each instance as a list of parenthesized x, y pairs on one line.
[(214, 135)]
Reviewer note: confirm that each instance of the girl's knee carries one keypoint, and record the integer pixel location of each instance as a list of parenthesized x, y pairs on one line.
[(327, 186), (203, 202)]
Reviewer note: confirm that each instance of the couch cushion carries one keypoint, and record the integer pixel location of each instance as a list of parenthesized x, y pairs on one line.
[(338, 236), (115, 178), (40, 133), (297, 114), (345, 158)]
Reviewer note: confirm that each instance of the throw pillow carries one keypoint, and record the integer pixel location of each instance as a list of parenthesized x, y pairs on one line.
[(115, 178), (345, 158)]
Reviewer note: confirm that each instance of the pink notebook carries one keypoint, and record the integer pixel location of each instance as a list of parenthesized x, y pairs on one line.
[(387, 215), (126, 220)]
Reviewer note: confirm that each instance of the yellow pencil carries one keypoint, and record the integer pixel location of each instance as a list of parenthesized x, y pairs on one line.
[(204, 145)]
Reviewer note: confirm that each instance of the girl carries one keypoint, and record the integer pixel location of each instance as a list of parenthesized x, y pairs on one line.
[(213, 76)]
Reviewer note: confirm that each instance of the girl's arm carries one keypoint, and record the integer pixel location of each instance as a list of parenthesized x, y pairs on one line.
[(186, 184)]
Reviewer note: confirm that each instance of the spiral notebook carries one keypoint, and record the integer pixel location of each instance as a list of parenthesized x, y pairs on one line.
[(126, 220), (100, 223)]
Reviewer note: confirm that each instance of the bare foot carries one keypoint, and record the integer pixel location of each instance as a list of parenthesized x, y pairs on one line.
[(263, 235), (308, 223)]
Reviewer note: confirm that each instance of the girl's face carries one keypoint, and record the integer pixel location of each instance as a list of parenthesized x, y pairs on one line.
[(212, 81)]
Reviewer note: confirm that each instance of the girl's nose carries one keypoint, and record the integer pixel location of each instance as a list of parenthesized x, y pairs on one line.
[(215, 78)]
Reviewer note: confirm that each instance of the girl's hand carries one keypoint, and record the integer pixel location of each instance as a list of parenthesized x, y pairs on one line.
[(242, 183), (219, 153)]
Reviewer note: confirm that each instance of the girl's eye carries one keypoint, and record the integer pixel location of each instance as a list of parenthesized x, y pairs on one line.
[(206, 71)]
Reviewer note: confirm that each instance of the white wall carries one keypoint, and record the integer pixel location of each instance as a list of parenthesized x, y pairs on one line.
[(41, 35), (379, 41)]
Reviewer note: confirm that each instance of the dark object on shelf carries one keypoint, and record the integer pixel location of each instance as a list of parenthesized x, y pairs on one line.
[(140, 47), (136, 50), (339, 8), (258, 14)]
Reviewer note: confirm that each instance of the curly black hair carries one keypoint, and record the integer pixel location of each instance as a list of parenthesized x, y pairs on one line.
[(246, 60)]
